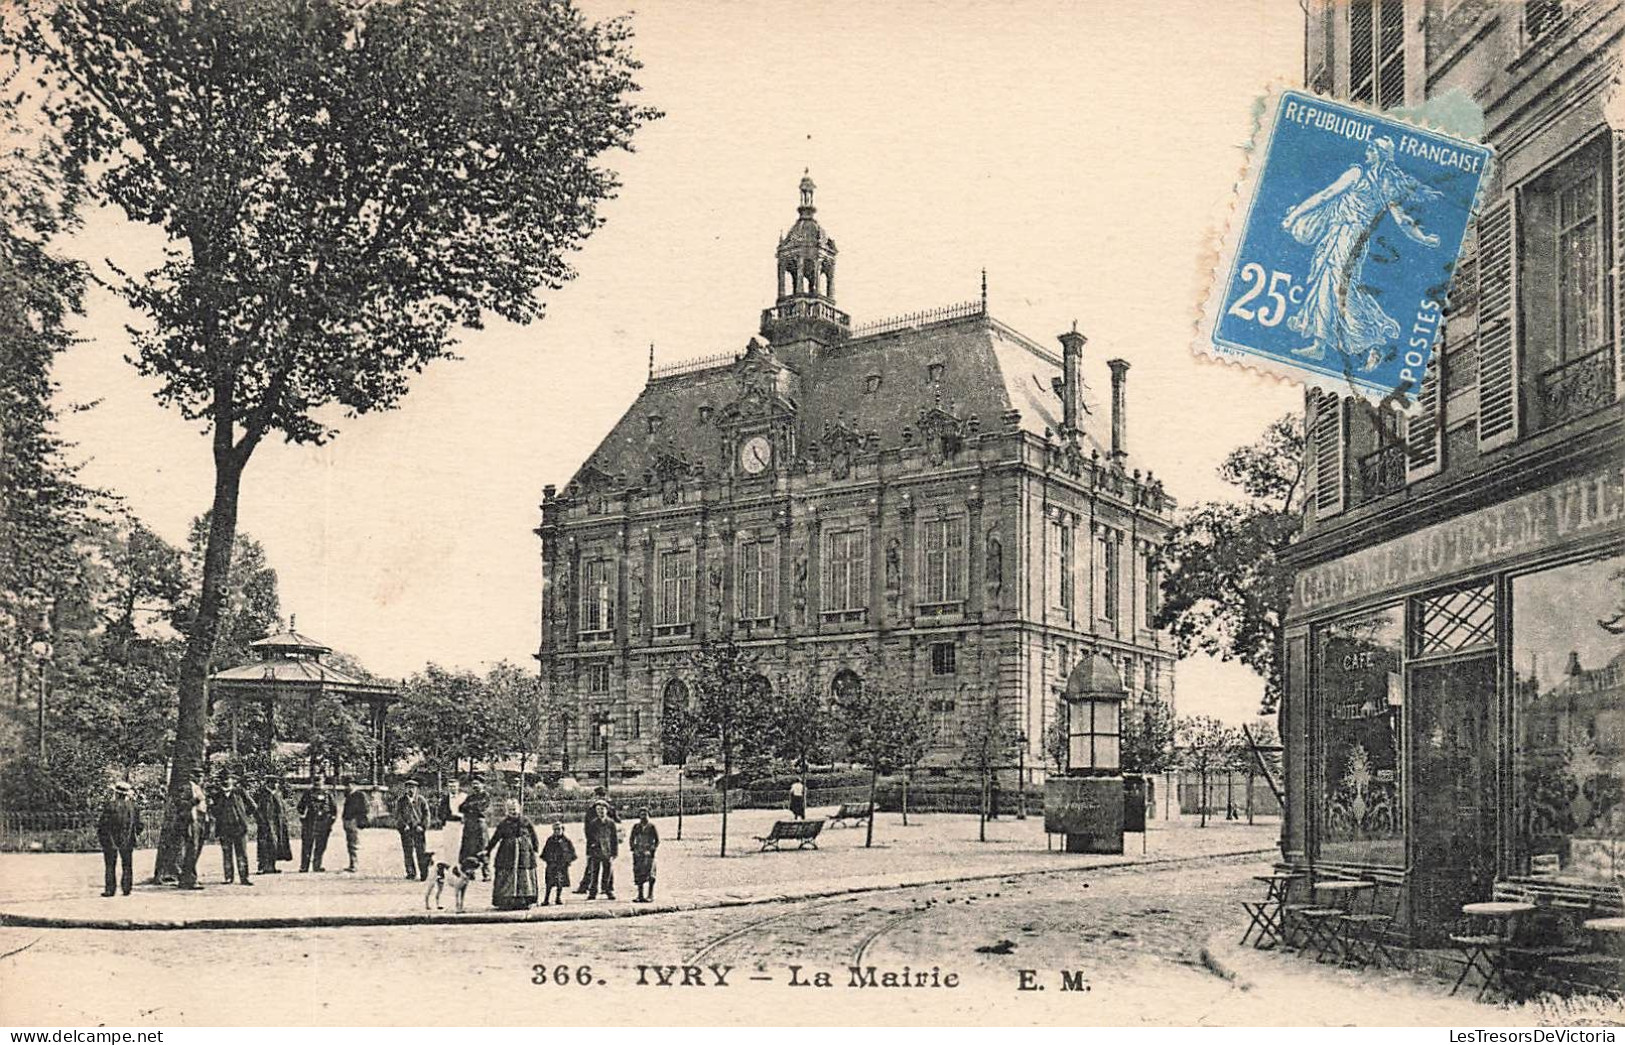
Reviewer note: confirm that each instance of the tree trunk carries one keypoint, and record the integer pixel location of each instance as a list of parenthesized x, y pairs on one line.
[(192, 720), (874, 781), (907, 774), (981, 825), (681, 766), (727, 770), (1202, 794)]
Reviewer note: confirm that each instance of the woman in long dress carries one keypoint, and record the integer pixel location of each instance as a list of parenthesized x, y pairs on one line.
[(1339, 222), (514, 887)]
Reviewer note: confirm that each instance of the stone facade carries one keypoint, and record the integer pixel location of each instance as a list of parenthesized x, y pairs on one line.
[(935, 499)]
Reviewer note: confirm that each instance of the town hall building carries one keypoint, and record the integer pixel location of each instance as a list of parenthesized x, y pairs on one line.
[(936, 501)]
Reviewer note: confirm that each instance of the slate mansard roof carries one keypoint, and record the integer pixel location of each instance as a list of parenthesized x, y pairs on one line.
[(987, 369)]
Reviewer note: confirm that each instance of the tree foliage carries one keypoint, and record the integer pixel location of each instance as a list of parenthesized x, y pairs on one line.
[(735, 707), (1225, 591), (1208, 747), (887, 728), (1148, 735), (344, 187)]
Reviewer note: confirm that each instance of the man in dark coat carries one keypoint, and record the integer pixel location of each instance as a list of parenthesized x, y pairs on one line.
[(272, 842), (116, 830), (475, 807), (603, 845), (316, 815), (355, 818), (233, 812), (412, 821)]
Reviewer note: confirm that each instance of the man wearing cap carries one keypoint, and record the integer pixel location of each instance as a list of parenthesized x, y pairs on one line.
[(316, 815), (600, 794), (116, 830), (272, 843), (355, 818), (412, 821), (232, 814)]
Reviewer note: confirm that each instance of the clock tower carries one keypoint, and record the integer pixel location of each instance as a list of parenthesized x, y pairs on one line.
[(804, 315)]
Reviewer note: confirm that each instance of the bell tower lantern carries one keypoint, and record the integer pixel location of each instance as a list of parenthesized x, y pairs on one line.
[(804, 309)]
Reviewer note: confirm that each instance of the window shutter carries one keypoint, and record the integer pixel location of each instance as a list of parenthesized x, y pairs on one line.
[(1424, 435), (1329, 454), (1498, 379), (1619, 264)]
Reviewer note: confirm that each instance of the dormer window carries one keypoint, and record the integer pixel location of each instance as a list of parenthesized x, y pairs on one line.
[(705, 413), (934, 372), (654, 423)]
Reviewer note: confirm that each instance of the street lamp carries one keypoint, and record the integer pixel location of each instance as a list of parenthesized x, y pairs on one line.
[(606, 730)]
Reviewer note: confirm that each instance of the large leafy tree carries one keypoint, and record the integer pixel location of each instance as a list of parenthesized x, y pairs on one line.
[(1225, 591), (1148, 735), (1207, 747), (518, 711), (344, 186), (990, 735)]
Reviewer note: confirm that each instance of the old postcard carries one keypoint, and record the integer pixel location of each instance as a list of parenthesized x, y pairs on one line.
[(475, 551)]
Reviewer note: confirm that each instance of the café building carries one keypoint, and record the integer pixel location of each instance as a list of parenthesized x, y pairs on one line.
[(1454, 701)]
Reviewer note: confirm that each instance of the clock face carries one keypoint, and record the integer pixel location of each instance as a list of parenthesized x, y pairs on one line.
[(755, 454)]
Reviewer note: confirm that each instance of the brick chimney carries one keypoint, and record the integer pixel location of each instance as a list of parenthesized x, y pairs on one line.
[(1119, 418), (1070, 386)]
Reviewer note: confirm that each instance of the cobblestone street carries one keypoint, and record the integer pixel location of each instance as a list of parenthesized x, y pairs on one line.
[(1130, 939)]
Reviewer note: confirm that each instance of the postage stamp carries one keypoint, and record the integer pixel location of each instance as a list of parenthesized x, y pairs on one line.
[(1350, 225)]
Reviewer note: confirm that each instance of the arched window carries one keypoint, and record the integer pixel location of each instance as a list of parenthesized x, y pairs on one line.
[(674, 700), (829, 280), (787, 280), (809, 278), (846, 687)]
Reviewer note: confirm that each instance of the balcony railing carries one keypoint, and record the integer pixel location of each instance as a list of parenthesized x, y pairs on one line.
[(806, 308), (1383, 472), (1575, 388)]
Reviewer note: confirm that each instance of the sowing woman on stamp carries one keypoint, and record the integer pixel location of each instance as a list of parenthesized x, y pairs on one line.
[(1338, 221)]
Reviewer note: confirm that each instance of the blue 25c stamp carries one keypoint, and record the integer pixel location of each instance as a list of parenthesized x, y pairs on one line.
[(1337, 275)]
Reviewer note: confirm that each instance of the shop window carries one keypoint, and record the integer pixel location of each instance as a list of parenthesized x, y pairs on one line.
[(1361, 701), (942, 658), (1455, 621), (1568, 669)]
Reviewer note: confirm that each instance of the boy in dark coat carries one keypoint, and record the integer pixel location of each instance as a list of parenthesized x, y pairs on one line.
[(558, 853), (116, 830), (603, 845), (317, 812), (643, 842), (233, 812)]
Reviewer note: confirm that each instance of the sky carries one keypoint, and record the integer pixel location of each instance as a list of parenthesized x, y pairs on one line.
[(1085, 155)]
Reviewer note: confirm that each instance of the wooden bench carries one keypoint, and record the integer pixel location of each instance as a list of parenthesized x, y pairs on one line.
[(851, 814), (803, 832)]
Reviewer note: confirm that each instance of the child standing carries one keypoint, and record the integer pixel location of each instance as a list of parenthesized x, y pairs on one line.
[(644, 841), (557, 855)]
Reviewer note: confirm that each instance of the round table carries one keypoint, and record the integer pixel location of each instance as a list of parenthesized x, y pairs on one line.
[(1497, 909)]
